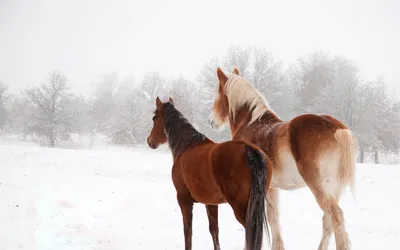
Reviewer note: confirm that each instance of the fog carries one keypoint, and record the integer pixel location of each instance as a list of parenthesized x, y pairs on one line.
[(113, 58), (87, 39)]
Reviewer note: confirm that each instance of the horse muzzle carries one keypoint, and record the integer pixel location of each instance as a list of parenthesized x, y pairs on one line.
[(152, 144)]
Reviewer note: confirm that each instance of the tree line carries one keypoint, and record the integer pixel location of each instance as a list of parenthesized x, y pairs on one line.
[(122, 109)]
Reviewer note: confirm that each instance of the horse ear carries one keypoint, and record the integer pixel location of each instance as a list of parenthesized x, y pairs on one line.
[(171, 101), (158, 102), (235, 71), (221, 76)]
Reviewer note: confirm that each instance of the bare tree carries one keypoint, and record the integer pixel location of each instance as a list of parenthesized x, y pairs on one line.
[(17, 109), (238, 57), (152, 86), (48, 118), (128, 122), (207, 79), (310, 77), (123, 110), (103, 106), (186, 98), (3, 99), (384, 120), (80, 108)]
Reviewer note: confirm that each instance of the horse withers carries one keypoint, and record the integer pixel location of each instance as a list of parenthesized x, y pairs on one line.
[(233, 172)]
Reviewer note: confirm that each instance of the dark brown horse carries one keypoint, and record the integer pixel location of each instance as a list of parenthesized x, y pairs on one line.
[(212, 173), (317, 151)]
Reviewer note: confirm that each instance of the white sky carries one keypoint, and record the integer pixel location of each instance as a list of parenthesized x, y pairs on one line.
[(87, 39)]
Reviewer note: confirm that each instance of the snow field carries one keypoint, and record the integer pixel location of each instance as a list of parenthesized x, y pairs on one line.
[(124, 199)]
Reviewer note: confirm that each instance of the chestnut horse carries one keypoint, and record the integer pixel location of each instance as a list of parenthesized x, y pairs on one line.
[(317, 151), (203, 171)]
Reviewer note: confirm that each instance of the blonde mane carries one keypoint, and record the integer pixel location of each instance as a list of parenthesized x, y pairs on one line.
[(240, 93)]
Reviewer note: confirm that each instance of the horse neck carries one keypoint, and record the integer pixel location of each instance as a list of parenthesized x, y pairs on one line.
[(181, 134), (243, 117)]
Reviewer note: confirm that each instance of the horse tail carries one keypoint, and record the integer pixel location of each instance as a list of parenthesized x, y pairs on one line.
[(255, 216), (348, 156)]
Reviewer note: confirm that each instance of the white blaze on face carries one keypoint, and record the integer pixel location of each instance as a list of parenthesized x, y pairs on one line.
[(215, 122), (216, 92)]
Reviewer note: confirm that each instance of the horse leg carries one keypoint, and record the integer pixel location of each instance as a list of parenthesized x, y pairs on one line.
[(327, 231), (273, 219), (240, 213), (333, 219), (212, 212), (186, 205), (338, 224)]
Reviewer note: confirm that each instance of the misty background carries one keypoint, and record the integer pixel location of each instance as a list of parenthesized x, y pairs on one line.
[(84, 69)]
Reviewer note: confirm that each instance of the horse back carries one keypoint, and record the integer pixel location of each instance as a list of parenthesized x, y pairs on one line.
[(312, 133)]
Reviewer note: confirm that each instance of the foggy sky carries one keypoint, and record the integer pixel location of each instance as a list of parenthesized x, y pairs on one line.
[(87, 39)]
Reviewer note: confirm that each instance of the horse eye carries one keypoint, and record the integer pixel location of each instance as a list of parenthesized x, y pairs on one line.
[(154, 118)]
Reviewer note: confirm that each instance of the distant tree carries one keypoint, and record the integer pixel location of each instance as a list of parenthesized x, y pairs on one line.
[(239, 57), (153, 85), (368, 99), (80, 108), (123, 111), (3, 107), (310, 78), (128, 123), (17, 107), (186, 98), (136, 105), (48, 117), (103, 107), (386, 125)]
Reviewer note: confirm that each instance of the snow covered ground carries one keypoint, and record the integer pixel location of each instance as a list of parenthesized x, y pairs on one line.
[(124, 199)]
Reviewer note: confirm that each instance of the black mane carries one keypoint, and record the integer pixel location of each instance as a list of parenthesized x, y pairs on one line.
[(181, 134)]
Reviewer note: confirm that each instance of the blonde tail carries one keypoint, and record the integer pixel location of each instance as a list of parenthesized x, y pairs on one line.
[(348, 157)]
